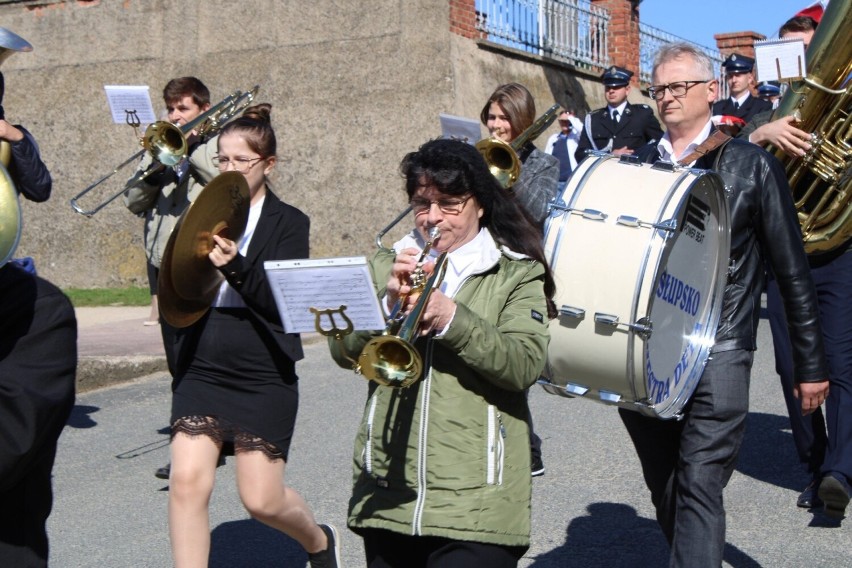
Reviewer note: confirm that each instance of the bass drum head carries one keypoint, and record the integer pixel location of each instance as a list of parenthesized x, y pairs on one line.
[(686, 300)]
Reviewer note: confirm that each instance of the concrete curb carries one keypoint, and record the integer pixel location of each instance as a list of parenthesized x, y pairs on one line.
[(94, 372)]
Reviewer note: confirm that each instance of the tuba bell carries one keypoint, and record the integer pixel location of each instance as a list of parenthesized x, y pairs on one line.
[(11, 220), (822, 104)]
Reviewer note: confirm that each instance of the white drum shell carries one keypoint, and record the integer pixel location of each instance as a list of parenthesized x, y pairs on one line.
[(656, 255)]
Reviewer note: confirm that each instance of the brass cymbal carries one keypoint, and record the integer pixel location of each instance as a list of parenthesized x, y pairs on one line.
[(188, 280), (177, 311)]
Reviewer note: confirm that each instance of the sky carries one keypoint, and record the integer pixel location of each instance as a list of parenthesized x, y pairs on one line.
[(699, 20)]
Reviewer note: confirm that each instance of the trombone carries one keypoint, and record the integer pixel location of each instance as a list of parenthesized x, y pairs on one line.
[(168, 146), (501, 157)]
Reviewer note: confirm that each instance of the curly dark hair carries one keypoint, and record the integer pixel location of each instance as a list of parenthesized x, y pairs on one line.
[(457, 168)]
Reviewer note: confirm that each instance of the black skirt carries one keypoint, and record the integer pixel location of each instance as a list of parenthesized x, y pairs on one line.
[(239, 377)]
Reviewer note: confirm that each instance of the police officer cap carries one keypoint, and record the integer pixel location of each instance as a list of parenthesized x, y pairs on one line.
[(769, 89), (736, 63), (616, 76)]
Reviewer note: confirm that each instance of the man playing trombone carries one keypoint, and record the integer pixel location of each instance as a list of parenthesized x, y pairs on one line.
[(165, 194)]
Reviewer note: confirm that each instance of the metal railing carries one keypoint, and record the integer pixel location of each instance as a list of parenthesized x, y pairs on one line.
[(572, 31), (652, 39)]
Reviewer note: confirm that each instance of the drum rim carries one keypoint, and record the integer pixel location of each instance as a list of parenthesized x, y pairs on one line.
[(672, 406)]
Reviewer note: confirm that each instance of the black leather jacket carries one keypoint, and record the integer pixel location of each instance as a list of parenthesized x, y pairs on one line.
[(29, 173), (765, 234)]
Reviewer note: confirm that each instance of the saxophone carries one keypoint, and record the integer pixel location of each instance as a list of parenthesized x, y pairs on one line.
[(822, 104)]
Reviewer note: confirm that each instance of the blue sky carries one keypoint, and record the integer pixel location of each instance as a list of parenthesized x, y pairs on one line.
[(699, 20)]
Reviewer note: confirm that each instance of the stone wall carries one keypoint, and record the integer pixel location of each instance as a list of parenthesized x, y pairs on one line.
[(354, 86)]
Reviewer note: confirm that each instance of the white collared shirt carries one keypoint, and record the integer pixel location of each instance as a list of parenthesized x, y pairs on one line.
[(620, 108), (227, 296), (741, 101), (664, 146)]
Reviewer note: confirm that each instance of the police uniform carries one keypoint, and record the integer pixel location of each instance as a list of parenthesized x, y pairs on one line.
[(736, 63), (635, 128)]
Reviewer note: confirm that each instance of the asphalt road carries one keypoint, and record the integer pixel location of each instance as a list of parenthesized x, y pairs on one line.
[(591, 509)]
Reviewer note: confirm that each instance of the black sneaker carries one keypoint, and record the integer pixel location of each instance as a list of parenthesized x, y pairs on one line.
[(537, 467), (330, 557), (163, 472)]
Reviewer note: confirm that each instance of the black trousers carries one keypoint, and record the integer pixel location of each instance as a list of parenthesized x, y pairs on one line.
[(688, 463), (824, 444), (387, 549)]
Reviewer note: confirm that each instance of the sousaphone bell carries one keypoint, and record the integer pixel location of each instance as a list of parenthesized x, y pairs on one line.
[(188, 281)]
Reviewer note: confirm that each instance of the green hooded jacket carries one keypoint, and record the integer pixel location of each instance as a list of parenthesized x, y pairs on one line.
[(449, 456)]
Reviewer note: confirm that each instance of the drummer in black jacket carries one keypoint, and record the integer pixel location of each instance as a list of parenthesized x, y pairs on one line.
[(688, 463), (739, 74), (620, 127)]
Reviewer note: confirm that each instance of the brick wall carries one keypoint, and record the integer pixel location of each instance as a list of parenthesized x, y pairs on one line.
[(623, 38), (463, 19), (737, 42)]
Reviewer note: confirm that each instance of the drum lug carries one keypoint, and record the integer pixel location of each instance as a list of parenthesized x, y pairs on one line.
[(572, 312), (628, 221), (611, 397), (630, 160), (590, 214), (643, 327), (570, 390)]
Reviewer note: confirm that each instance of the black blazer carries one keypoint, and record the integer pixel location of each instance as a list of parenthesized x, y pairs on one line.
[(636, 128), (747, 110), (282, 233)]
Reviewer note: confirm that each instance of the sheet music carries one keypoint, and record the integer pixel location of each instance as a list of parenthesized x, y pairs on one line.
[(323, 283), (460, 128), (780, 59), (136, 99)]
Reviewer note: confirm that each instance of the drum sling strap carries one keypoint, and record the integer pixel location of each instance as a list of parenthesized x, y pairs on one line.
[(716, 139)]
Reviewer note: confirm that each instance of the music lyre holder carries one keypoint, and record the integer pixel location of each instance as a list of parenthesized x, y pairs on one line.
[(334, 331), (132, 119)]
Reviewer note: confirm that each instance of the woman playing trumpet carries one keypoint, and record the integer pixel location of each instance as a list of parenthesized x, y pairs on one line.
[(442, 467)]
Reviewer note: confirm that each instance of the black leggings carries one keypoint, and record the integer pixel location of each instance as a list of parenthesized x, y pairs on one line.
[(387, 549)]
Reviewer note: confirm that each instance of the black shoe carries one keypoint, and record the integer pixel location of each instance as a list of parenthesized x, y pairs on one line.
[(834, 492), (808, 498), (163, 472), (330, 557), (537, 466), (221, 461)]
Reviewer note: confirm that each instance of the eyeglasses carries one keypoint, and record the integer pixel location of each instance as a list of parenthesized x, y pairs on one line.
[(447, 206), (241, 165), (677, 89)]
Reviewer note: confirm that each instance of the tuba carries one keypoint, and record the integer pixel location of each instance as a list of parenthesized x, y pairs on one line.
[(822, 104), (10, 207)]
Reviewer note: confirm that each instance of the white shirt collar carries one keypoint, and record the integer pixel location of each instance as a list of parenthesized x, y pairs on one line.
[(664, 146), (740, 101), (620, 108)]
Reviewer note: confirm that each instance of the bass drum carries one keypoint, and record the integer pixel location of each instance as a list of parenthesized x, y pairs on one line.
[(640, 255)]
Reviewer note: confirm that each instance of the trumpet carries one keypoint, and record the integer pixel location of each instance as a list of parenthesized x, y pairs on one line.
[(391, 359), (168, 146)]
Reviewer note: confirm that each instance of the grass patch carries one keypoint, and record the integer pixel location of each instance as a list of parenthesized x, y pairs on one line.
[(86, 297)]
